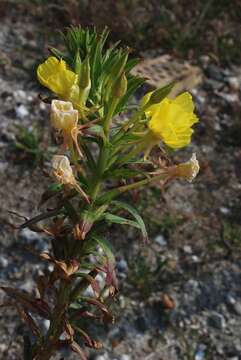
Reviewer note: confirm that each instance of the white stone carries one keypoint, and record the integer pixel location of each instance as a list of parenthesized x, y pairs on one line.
[(125, 357), (160, 240), (187, 249), (22, 111)]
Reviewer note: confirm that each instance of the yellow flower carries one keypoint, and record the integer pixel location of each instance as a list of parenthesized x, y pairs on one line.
[(55, 75), (171, 121)]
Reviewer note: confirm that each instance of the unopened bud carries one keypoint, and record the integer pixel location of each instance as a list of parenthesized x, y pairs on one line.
[(77, 66), (84, 81), (120, 86)]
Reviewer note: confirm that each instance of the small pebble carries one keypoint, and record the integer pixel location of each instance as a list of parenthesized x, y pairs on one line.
[(217, 320), (104, 356), (237, 308), (122, 265), (125, 357), (160, 240), (187, 249), (22, 111), (200, 354), (3, 262), (224, 210), (234, 83)]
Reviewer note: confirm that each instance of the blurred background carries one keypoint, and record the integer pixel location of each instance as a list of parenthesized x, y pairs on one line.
[(180, 295)]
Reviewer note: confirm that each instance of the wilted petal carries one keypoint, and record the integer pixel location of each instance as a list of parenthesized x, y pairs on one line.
[(63, 116), (187, 170), (62, 170)]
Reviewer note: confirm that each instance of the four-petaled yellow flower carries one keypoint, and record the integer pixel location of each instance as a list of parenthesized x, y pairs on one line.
[(171, 121), (55, 75)]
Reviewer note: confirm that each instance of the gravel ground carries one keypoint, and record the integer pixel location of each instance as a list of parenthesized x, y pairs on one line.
[(191, 308)]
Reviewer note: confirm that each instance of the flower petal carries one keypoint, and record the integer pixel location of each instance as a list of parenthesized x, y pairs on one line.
[(185, 101), (53, 74)]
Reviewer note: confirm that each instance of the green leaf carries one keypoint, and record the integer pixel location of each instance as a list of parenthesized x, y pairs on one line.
[(52, 190), (98, 130), (135, 214), (106, 247), (90, 160), (93, 215), (159, 94), (131, 64), (59, 54), (121, 173), (115, 219), (134, 83)]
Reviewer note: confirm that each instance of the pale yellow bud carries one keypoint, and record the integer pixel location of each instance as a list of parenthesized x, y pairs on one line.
[(62, 170), (63, 116)]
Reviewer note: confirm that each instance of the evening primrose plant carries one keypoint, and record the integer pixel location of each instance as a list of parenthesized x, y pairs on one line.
[(100, 156)]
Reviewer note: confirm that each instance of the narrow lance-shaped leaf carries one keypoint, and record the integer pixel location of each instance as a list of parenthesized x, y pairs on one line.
[(133, 212), (120, 220)]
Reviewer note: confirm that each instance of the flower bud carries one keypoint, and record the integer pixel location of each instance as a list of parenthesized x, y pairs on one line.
[(77, 66), (84, 81), (63, 116), (120, 87)]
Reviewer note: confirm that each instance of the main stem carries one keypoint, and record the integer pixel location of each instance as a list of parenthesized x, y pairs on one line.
[(47, 348)]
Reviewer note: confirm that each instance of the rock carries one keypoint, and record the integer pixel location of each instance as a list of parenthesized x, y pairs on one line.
[(104, 356), (224, 210), (3, 348), (187, 249), (199, 355), (211, 84), (229, 98), (28, 285), (195, 259), (22, 111), (205, 60), (125, 357), (192, 286), (3, 166), (3, 262), (234, 304), (35, 239), (237, 307), (20, 95), (214, 72), (45, 325), (160, 240), (122, 265), (234, 83), (217, 320)]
